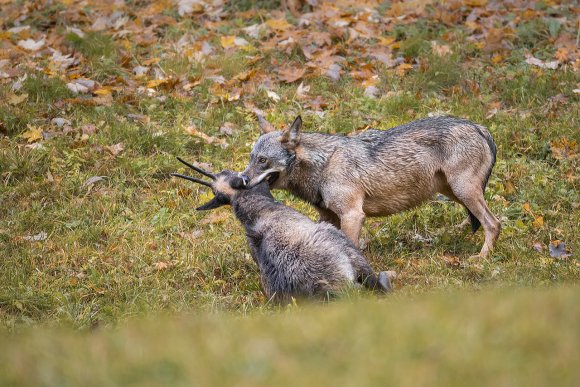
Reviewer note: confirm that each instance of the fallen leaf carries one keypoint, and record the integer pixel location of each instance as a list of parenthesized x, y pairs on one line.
[(33, 134), (41, 236), (186, 7), (440, 50), (161, 265), (538, 222), (273, 96), (205, 137), (557, 249), (562, 54), (538, 246), (563, 148), (227, 129), (60, 122), (88, 129), (191, 236), (140, 71), (142, 118), (452, 260), (116, 148), (302, 91), (14, 99), (291, 74), (334, 72), (227, 41), (81, 85), (215, 217), (156, 82), (402, 69), (540, 63), (371, 92), (92, 180), (31, 45), (278, 24)]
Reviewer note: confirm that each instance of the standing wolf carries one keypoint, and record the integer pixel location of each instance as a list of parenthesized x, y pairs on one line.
[(378, 173)]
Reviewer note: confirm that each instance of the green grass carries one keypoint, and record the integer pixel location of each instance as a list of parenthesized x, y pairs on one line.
[(131, 247), (493, 337)]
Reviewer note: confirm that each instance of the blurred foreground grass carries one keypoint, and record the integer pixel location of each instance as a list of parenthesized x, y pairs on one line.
[(494, 337)]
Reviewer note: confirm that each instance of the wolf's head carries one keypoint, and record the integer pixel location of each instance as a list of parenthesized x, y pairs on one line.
[(274, 153)]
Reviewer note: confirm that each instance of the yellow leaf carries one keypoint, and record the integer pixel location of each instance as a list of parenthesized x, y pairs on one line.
[(476, 3), (386, 40), (497, 58), (227, 41), (403, 68), (32, 134), (538, 222), (103, 91), (278, 24), (151, 61), (156, 82), (527, 208), (14, 99)]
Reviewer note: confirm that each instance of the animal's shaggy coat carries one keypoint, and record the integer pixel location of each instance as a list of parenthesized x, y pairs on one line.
[(382, 172), (296, 256)]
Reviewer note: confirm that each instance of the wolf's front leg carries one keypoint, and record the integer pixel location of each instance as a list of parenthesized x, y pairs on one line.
[(328, 216), (351, 224)]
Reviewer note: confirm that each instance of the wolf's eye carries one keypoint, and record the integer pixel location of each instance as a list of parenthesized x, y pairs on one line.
[(262, 160)]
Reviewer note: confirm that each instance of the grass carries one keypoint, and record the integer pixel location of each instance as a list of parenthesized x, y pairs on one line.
[(493, 337), (127, 275)]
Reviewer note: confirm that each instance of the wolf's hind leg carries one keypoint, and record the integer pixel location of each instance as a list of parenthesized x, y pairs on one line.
[(471, 196)]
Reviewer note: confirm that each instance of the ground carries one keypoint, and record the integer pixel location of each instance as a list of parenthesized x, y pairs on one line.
[(99, 98)]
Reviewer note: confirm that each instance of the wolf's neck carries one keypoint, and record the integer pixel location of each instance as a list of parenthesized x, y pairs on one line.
[(312, 158)]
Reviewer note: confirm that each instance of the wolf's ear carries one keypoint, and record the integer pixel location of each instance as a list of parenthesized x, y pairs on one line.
[(265, 126), (291, 136), (213, 203)]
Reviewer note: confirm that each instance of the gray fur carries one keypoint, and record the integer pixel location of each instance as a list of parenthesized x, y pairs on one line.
[(378, 173), (296, 256)]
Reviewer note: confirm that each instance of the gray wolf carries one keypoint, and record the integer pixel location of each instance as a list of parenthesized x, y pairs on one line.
[(381, 172)]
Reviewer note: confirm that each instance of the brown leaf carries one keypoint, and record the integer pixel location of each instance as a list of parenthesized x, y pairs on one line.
[(563, 148), (440, 50), (161, 265), (207, 138), (227, 129), (116, 148), (452, 260), (215, 217), (291, 74)]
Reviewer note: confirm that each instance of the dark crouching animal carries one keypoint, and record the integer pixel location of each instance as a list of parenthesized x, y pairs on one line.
[(378, 173), (296, 256)]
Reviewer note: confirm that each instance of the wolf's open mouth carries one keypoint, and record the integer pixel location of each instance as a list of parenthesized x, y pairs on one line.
[(271, 179)]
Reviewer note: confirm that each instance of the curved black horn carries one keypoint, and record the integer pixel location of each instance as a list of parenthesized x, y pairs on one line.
[(198, 169), (192, 179)]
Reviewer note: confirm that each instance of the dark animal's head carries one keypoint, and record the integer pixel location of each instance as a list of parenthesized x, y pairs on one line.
[(225, 185), (274, 153)]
